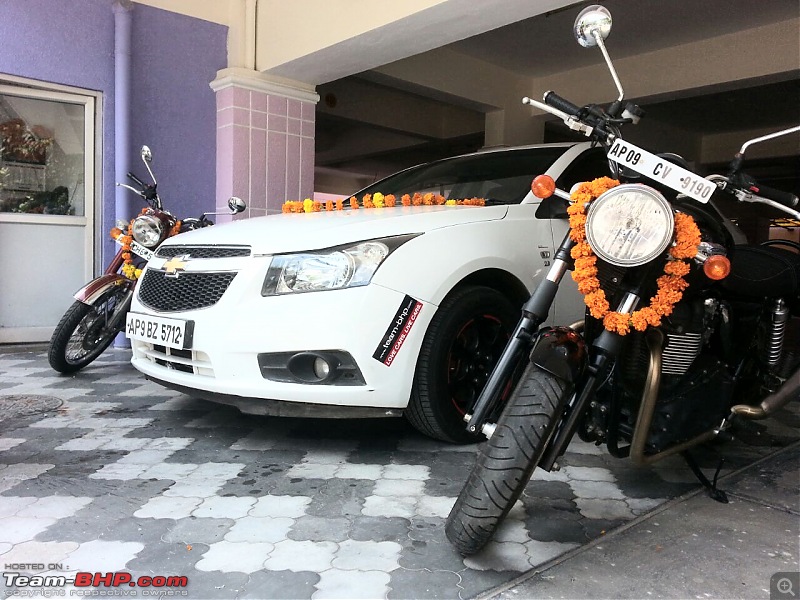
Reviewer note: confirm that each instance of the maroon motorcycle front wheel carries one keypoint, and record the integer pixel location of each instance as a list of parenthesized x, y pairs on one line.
[(84, 332)]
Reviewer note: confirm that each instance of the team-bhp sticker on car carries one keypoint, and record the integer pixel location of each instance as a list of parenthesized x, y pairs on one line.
[(398, 331)]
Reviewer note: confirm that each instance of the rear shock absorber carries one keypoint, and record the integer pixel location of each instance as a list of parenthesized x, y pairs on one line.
[(779, 318)]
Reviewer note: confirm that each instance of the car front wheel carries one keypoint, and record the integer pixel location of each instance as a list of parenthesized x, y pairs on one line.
[(462, 345)]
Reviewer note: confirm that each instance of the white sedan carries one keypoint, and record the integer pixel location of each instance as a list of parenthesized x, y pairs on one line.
[(363, 312)]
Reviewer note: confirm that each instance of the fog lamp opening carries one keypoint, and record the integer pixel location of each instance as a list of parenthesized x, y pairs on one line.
[(322, 369)]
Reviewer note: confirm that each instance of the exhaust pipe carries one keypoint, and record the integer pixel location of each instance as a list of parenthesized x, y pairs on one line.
[(790, 390)]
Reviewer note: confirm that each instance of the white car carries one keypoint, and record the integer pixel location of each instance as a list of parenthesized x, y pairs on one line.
[(361, 313)]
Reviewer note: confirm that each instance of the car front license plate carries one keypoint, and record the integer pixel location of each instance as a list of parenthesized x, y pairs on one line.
[(656, 168), (173, 333)]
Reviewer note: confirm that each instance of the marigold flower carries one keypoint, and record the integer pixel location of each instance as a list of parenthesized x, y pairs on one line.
[(353, 202), (619, 323), (390, 200), (670, 285)]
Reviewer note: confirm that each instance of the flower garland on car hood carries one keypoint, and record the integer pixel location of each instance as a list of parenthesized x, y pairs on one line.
[(377, 200), (670, 285)]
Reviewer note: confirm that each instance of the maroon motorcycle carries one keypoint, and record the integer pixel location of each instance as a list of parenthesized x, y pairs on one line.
[(98, 315)]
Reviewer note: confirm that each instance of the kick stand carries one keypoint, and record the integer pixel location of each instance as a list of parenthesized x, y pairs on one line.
[(711, 486)]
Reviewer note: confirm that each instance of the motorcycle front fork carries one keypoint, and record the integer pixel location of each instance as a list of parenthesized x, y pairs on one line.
[(604, 349), (534, 313)]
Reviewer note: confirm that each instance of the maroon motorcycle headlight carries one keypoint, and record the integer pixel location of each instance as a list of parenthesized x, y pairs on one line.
[(150, 230)]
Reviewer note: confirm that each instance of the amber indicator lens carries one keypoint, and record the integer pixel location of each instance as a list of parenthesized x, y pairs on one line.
[(543, 186), (717, 267)]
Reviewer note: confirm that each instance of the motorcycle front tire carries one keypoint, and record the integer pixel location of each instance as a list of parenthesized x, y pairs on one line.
[(70, 350), (507, 460)]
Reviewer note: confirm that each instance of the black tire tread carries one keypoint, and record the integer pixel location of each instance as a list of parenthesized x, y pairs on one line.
[(57, 352), (507, 460), (420, 412)]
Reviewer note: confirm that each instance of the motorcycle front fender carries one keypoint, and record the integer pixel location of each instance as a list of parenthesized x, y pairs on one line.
[(560, 351), (89, 293)]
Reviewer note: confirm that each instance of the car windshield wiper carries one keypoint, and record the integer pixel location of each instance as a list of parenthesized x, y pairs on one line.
[(495, 202)]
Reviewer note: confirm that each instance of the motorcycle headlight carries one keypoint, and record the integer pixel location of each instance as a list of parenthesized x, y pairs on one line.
[(330, 269), (629, 225), (149, 230)]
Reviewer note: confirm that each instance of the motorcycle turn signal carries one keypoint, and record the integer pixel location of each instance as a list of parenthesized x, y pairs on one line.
[(717, 267), (543, 186)]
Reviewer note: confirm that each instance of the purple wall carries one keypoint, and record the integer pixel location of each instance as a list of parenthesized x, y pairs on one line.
[(173, 110)]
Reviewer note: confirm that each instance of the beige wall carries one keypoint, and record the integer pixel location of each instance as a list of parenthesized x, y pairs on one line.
[(216, 11), (289, 30)]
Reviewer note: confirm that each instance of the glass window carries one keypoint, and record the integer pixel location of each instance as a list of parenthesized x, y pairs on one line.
[(42, 156), (502, 177)]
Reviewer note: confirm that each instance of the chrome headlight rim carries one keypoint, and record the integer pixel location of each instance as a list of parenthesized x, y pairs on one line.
[(360, 272), (149, 230), (628, 202)]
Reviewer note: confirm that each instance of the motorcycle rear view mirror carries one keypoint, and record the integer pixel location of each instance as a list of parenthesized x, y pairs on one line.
[(591, 27), (147, 156), (592, 21), (236, 205)]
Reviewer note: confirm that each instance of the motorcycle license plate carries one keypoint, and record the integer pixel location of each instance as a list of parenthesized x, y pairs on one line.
[(173, 333), (663, 171), (137, 248)]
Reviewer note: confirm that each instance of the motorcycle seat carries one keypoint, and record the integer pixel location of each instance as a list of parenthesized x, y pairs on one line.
[(759, 271)]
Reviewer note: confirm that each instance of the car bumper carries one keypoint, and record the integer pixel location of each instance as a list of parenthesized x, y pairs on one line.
[(229, 337)]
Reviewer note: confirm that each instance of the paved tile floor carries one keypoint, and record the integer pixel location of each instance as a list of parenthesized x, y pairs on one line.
[(128, 476)]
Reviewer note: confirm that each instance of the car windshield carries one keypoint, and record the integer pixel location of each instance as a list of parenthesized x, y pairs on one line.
[(498, 177)]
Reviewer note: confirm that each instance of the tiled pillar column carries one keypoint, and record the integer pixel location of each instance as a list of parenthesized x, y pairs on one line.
[(265, 141)]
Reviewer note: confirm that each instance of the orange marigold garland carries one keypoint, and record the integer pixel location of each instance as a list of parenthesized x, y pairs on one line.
[(670, 285), (377, 200), (129, 270)]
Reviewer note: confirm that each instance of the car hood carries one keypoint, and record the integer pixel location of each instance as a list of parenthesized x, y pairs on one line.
[(312, 231)]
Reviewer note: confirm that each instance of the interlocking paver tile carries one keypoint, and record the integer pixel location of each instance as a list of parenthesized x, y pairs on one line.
[(245, 557), (350, 585), (126, 475), (291, 555)]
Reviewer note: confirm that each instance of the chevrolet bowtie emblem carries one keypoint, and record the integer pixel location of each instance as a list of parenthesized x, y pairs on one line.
[(175, 265)]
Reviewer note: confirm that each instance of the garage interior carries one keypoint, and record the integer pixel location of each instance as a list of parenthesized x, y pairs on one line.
[(460, 97)]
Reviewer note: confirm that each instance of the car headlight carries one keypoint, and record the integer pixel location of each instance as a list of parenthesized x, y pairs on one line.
[(329, 269), (149, 230), (629, 225)]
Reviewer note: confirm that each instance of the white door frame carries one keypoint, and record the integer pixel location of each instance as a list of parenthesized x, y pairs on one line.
[(92, 107)]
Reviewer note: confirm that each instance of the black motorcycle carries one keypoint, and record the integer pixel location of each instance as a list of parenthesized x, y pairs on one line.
[(98, 314), (687, 328)]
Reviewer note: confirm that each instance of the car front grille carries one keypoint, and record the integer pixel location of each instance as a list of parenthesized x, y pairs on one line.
[(203, 251), (188, 291), (186, 361)]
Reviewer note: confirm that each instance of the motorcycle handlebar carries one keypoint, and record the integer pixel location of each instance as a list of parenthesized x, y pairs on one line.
[(136, 180), (785, 198), (562, 104)]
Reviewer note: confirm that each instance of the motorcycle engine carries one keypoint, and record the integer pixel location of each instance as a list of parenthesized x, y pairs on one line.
[(695, 389)]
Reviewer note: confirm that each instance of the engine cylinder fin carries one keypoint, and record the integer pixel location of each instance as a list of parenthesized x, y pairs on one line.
[(680, 352)]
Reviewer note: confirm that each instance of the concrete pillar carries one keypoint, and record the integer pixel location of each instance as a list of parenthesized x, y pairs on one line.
[(265, 140)]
